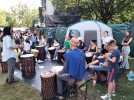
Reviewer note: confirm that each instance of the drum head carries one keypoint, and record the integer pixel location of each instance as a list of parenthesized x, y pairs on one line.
[(47, 74), (61, 51), (51, 48), (39, 46), (26, 55), (56, 44), (88, 54), (34, 50), (57, 69)]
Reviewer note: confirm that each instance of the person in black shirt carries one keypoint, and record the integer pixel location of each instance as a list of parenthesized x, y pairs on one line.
[(93, 46), (81, 44)]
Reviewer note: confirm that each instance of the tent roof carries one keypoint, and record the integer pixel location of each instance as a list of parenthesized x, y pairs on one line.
[(90, 25)]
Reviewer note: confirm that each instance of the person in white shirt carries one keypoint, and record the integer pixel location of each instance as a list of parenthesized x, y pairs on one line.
[(8, 53), (42, 40), (26, 46), (106, 38)]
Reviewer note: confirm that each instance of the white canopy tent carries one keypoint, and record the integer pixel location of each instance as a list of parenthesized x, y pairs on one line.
[(90, 30)]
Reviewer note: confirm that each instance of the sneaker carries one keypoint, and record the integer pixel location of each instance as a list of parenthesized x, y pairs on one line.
[(106, 97), (60, 97), (113, 94)]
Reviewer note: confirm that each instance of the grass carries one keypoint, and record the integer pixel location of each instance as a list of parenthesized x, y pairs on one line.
[(23, 91), (18, 91), (124, 92)]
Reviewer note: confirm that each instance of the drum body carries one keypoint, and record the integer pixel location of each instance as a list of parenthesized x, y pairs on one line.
[(41, 53), (4, 67), (88, 57), (51, 51), (28, 65), (60, 56), (48, 86)]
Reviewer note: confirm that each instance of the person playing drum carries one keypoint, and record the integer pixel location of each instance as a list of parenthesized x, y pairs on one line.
[(98, 62), (74, 67), (57, 47), (8, 54), (93, 46), (26, 46)]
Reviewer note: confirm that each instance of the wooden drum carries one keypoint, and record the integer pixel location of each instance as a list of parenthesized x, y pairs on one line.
[(48, 85), (42, 53), (51, 51), (4, 67), (28, 65), (88, 57), (61, 56)]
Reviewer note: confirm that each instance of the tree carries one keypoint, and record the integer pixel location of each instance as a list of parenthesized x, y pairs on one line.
[(24, 15), (104, 10), (2, 18)]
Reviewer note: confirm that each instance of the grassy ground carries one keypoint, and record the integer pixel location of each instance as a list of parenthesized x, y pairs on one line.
[(22, 91), (125, 90), (18, 91)]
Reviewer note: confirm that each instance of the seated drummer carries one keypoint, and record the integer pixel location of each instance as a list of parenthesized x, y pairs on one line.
[(100, 59), (81, 44), (56, 44), (26, 46), (93, 46), (74, 67)]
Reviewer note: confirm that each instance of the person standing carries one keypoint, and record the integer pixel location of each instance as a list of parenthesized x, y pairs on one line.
[(113, 69), (126, 48), (105, 39), (8, 53)]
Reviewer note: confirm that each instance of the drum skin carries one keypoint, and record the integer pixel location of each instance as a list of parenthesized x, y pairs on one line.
[(48, 87), (28, 66), (42, 53)]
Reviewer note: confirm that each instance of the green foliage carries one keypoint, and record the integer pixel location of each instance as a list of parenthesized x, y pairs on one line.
[(114, 11), (2, 18), (20, 15)]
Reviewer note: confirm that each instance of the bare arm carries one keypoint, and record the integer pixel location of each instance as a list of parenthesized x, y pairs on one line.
[(94, 62), (130, 40), (113, 59)]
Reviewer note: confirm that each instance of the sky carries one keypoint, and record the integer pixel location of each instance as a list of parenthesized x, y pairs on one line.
[(7, 4)]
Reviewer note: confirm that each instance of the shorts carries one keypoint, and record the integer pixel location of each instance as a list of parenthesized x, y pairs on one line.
[(112, 75)]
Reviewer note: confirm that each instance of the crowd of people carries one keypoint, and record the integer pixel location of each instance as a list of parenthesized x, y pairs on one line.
[(77, 65), (109, 58)]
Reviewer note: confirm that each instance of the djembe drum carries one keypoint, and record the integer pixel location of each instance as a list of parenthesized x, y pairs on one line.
[(27, 65), (51, 51), (48, 85), (35, 52), (61, 56), (4, 67), (42, 53), (88, 57)]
